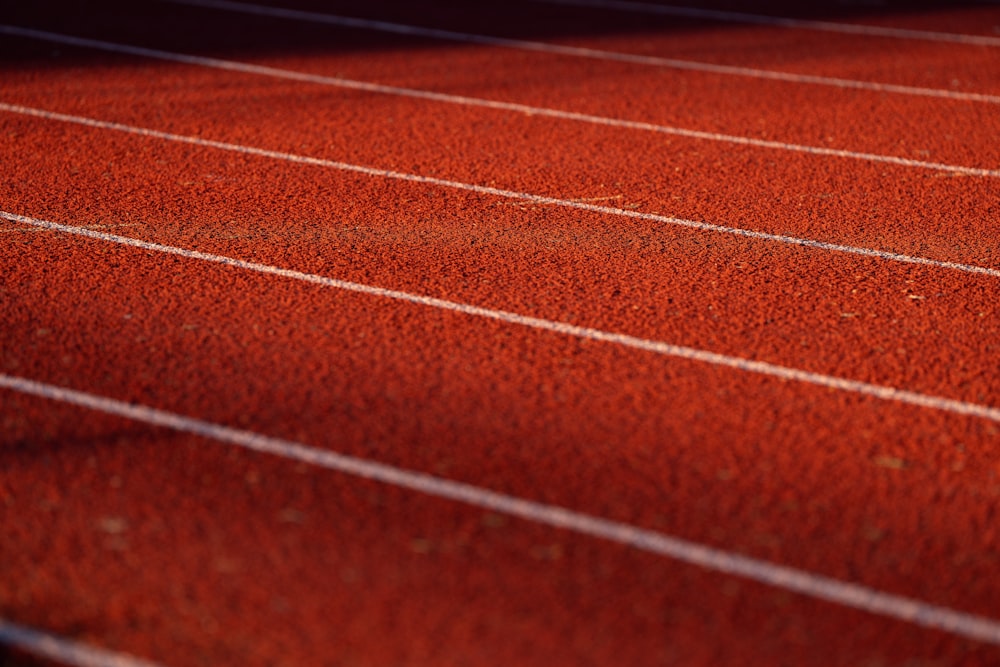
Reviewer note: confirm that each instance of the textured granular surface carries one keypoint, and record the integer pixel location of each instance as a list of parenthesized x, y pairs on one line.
[(723, 282)]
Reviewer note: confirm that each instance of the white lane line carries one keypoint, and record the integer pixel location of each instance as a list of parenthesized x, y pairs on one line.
[(350, 84), (248, 68), (490, 104), (855, 596), (758, 19), (581, 52), (459, 99), (880, 392), (565, 115), (59, 649), (497, 192)]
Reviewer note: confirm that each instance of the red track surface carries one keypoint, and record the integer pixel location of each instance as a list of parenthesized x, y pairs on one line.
[(184, 550)]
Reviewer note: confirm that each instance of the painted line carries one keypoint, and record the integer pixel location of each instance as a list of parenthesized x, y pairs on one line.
[(248, 68), (784, 373), (497, 192), (805, 583), (759, 19), (483, 103), (59, 649), (350, 84), (581, 52), (472, 101), (565, 115)]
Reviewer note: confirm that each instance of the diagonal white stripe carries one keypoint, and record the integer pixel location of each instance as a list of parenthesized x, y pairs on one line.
[(352, 84), (248, 68), (60, 649), (578, 52), (803, 24), (497, 192), (563, 328), (509, 106), (805, 583)]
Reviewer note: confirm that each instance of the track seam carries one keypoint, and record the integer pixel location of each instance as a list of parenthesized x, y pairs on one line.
[(828, 589), (777, 371), (497, 192)]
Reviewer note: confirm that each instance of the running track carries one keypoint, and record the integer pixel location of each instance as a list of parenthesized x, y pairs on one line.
[(549, 332)]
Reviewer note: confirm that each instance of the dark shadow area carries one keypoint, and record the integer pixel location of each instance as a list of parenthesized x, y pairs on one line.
[(14, 657), (209, 31)]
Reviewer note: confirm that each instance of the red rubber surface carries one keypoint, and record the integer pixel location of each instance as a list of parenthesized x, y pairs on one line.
[(185, 551)]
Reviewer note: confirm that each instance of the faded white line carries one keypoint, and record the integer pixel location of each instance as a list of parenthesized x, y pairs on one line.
[(759, 19), (847, 594), (60, 649), (562, 328), (581, 52), (497, 192)]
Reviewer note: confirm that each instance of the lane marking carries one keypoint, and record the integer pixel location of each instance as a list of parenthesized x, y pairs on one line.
[(490, 104), (247, 68), (785, 373), (758, 19), (497, 192), (579, 52), (847, 594), (60, 649), (456, 99)]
